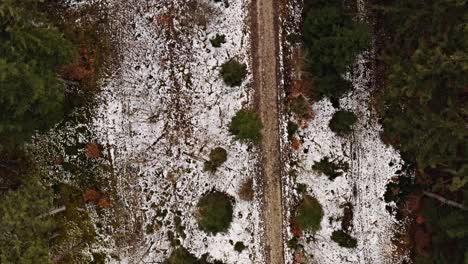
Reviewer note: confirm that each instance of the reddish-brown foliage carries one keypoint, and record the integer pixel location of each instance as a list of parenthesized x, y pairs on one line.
[(295, 143), (163, 20), (104, 203), (246, 191), (295, 229), (58, 160), (91, 195), (413, 203), (92, 150), (296, 88), (76, 72), (298, 257), (422, 240), (81, 70), (420, 220)]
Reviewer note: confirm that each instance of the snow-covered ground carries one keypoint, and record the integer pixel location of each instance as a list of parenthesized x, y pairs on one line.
[(372, 164), (162, 113)]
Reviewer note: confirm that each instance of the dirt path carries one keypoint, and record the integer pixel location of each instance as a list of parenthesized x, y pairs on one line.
[(265, 74)]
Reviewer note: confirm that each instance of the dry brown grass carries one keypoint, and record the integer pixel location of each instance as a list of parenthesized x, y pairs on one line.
[(246, 191)]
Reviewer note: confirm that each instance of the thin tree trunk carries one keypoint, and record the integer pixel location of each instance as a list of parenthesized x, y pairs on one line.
[(445, 200), (54, 211)]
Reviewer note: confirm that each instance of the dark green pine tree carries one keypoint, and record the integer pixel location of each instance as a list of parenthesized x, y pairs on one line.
[(31, 53), (25, 228)]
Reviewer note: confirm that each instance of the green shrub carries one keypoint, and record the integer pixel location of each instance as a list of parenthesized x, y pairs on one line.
[(330, 85), (342, 122), (292, 129), (343, 239), (333, 39), (218, 156), (181, 255), (301, 188), (215, 212), (233, 72), (293, 243), (309, 214), (239, 246), (218, 40), (246, 125), (331, 169), (299, 106), (204, 260)]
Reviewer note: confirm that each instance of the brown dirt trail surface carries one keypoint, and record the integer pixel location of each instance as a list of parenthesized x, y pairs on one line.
[(265, 51)]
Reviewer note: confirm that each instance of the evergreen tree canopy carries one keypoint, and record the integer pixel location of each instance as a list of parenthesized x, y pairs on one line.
[(424, 107), (24, 231), (31, 52), (333, 39)]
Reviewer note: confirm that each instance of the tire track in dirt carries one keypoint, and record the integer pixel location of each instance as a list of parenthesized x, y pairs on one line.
[(265, 49)]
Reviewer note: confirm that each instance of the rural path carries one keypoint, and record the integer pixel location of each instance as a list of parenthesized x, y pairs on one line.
[(265, 74)]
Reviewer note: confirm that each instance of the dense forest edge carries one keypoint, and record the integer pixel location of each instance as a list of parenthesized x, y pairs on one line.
[(420, 71), (49, 72), (51, 59)]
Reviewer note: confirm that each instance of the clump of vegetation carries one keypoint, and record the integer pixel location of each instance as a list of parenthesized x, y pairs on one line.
[(342, 122), (423, 113), (218, 156), (21, 224), (31, 92), (233, 72), (246, 191), (218, 40), (293, 243), (343, 239), (332, 169), (246, 125), (301, 188), (333, 40), (331, 85), (181, 255), (239, 246), (215, 212), (300, 107), (309, 214), (292, 129)]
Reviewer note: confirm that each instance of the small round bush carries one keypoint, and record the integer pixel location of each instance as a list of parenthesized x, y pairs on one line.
[(309, 214), (218, 40), (181, 255), (299, 106), (246, 125), (343, 239), (330, 168), (218, 156), (239, 246), (215, 212), (342, 122), (233, 72), (292, 128)]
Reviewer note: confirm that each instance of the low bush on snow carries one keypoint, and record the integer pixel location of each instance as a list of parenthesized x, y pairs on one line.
[(343, 239), (246, 191), (215, 212), (309, 214), (218, 40), (342, 122), (330, 168), (239, 246), (218, 156), (233, 72), (300, 107), (181, 255), (246, 125)]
